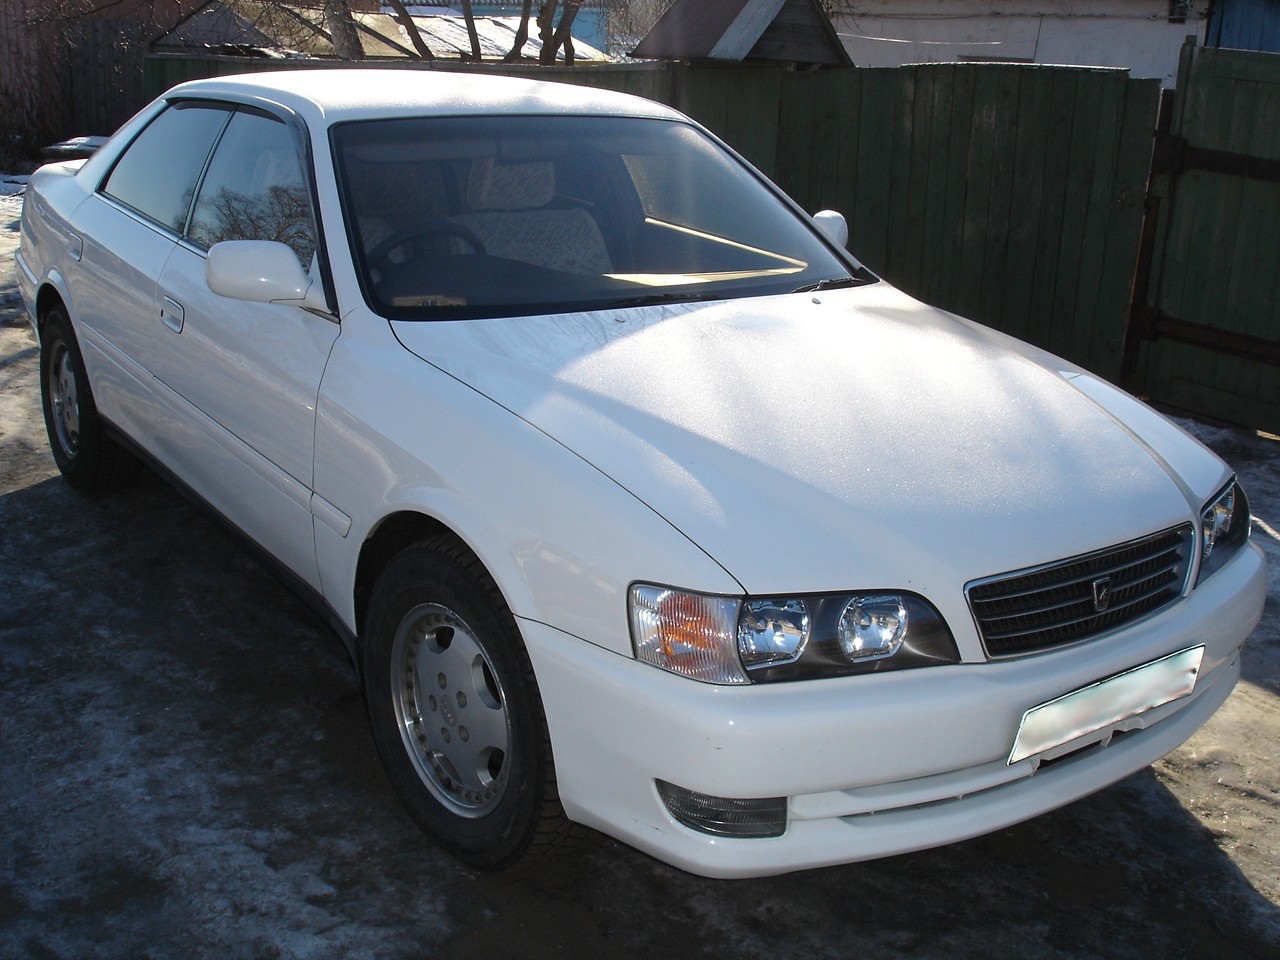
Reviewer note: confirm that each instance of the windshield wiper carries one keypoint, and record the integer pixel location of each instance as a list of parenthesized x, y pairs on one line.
[(649, 299), (835, 283)]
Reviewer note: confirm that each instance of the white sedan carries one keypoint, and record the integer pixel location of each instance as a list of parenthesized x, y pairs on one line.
[(640, 503)]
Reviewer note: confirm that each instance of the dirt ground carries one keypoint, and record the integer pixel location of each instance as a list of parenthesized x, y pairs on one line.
[(186, 771)]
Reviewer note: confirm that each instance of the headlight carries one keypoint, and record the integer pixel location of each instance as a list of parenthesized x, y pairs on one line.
[(1224, 528), (766, 639)]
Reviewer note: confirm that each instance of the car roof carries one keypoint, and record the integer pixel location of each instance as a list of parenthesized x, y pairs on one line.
[(332, 96)]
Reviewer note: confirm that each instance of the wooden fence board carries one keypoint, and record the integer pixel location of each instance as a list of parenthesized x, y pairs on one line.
[(975, 225), (1100, 213), (870, 228), (1075, 209), (955, 187), (1219, 247), (898, 174), (1026, 199), (1132, 149), (940, 161), (1000, 203)]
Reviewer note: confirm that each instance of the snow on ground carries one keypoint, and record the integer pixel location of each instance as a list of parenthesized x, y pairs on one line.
[(11, 187)]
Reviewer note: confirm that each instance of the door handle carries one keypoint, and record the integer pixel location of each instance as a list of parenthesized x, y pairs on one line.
[(171, 314)]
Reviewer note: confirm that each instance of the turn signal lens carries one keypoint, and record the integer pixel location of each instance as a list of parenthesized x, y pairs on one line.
[(873, 627), (691, 634)]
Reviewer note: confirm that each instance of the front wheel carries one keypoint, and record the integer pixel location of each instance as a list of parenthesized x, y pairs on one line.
[(455, 710), (87, 458)]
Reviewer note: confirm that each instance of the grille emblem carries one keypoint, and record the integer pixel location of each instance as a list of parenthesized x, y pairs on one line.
[(1101, 593)]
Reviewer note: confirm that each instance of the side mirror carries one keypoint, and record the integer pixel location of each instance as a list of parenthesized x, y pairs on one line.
[(262, 271), (832, 225)]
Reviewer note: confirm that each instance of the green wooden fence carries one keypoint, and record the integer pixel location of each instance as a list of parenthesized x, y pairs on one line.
[(1007, 193), (1210, 334)]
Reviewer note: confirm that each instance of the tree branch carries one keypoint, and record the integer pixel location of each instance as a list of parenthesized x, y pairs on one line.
[(401, 14)]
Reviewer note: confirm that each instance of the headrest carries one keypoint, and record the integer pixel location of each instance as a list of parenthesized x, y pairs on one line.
[(493, 185)]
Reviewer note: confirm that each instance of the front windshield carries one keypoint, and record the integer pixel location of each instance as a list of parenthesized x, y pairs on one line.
[(460, 217)]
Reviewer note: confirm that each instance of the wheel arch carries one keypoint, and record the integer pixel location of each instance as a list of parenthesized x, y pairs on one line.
[(392, 534), (50, 295)]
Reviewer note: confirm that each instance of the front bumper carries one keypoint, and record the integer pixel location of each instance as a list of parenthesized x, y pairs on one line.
[(872, 765)]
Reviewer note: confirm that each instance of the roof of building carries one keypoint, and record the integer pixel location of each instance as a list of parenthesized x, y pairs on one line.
[(787, 30), (267, 28)]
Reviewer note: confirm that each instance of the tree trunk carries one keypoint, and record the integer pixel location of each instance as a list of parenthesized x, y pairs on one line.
[(564, 35), (415, 36), (342, 28), (546, 32), (522, 34), (559, 36), (474, 37)]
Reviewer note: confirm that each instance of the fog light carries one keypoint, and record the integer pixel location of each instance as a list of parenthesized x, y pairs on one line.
[(725, 816)]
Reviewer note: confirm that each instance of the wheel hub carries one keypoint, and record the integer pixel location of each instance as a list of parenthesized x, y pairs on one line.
[(63, 399), (451, 710)]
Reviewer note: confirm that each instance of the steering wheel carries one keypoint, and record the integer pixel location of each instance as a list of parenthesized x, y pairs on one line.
[(381, 253)]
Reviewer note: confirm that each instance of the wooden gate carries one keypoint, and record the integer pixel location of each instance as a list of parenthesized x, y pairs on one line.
[(1205, 330)]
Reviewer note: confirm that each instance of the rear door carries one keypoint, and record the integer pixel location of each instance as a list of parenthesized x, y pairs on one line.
[(129, 228)]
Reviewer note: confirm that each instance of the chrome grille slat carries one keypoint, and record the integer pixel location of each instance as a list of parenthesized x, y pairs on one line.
[(1175, 561), (1040, 608), (1115, 609), (1077, 601)]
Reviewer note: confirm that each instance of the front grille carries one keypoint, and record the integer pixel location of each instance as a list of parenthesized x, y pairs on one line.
[(1072, 600)]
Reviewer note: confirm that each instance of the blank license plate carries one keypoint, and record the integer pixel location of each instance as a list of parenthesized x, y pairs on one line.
[(1106, 702)]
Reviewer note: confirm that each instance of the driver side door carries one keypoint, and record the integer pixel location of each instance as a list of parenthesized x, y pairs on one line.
[(242, 378)]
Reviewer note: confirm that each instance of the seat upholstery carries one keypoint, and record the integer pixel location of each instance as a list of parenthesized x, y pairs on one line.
[(511, 215)]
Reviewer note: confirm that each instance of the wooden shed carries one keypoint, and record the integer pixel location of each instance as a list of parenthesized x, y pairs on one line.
[(793, 31)]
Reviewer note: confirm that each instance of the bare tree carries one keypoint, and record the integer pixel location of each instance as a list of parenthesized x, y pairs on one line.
[(522, 34), (401, 13), (342, 30), (469, 16), (627, 22), (553, 35)]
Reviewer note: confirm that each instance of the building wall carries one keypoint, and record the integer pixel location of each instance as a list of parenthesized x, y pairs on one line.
[(1136, 34), (63, 61)]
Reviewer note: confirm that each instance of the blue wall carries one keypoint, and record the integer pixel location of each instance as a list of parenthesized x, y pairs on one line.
[(1245, 25)]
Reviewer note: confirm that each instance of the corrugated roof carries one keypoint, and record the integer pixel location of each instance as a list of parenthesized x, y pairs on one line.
[(301, 29)]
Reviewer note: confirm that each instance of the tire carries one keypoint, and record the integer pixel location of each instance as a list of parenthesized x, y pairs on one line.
[(88, 459), (455, 710)]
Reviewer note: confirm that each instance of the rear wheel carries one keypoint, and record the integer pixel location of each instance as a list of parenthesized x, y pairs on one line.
[(88, 459), (455, 710)]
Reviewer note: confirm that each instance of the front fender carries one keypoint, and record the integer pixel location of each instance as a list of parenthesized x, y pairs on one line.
[(562, 541)]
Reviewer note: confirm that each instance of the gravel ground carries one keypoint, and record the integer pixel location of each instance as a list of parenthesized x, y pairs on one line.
[(185, 771)]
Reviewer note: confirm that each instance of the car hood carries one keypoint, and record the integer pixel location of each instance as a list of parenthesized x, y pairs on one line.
[(844, 440)]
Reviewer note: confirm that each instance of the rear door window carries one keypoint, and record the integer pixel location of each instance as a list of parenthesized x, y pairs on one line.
[(156, 176)]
